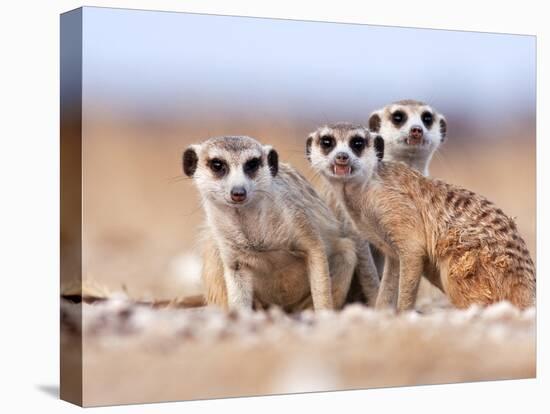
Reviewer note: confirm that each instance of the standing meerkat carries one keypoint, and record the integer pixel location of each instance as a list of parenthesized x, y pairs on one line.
[(412, 132), (270, 239), (462, 242)]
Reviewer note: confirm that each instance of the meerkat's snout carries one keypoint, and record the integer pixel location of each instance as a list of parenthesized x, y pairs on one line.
[(341, 164), (238, 194), (416, 133)]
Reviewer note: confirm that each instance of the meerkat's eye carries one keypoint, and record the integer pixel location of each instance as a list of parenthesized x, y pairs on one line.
[(327, 142), (427, 118), (252, 165), (357, 143), (218, 167), (398, 117)]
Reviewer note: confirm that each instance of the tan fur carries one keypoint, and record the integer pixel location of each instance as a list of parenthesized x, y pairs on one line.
[(462, 242), (284, 248)]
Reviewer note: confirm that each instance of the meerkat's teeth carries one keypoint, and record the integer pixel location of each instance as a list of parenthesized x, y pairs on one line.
[(341, 170), (414, 141)]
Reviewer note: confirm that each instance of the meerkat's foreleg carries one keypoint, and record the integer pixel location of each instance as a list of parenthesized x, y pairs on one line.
[(367, 272), (410, 273), (212, 275), (239, 284), (379, 259), (319, 277), (342, 263), (389, 286)]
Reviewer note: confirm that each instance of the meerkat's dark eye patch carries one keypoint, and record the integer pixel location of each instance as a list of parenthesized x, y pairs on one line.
[(218, 166), (327, 143), (427, 119), (398, 117), (357, 144), (443, 129), (309, 141), (379, 147), (252, 165)]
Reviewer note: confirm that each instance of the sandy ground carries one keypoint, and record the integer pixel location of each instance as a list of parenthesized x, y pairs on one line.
[(135, 354)]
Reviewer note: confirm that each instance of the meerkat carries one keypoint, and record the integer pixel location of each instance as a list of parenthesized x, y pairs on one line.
[(365, 281), (459, 240), (270, 239), (412, 132)]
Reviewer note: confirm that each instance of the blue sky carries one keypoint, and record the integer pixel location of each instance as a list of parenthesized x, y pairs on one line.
[(164, 62)]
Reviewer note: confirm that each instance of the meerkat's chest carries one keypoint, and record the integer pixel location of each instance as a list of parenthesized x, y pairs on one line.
[(250, 242), (368, 220), (260, 242), (258, 237)]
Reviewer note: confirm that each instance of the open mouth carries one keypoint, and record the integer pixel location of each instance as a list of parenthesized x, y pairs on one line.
[(341, 170), (413, 141)]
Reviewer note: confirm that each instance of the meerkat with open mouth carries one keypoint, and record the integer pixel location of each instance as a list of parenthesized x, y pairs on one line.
[(270, 239), (459, 240)]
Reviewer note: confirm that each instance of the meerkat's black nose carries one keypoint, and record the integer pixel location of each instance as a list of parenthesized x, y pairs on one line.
[(416, 132), (238, 194), (342, 158)]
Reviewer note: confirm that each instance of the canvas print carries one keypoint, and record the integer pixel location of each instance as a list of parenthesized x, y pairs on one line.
[(256, 206)]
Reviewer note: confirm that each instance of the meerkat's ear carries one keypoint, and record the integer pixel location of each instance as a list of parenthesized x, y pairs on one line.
[(309, 142), (379, 146), (190, 160), (272, 160), (375, 120), (443, 128)]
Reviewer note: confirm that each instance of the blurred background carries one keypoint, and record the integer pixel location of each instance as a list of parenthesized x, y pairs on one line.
[(155, 82)]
